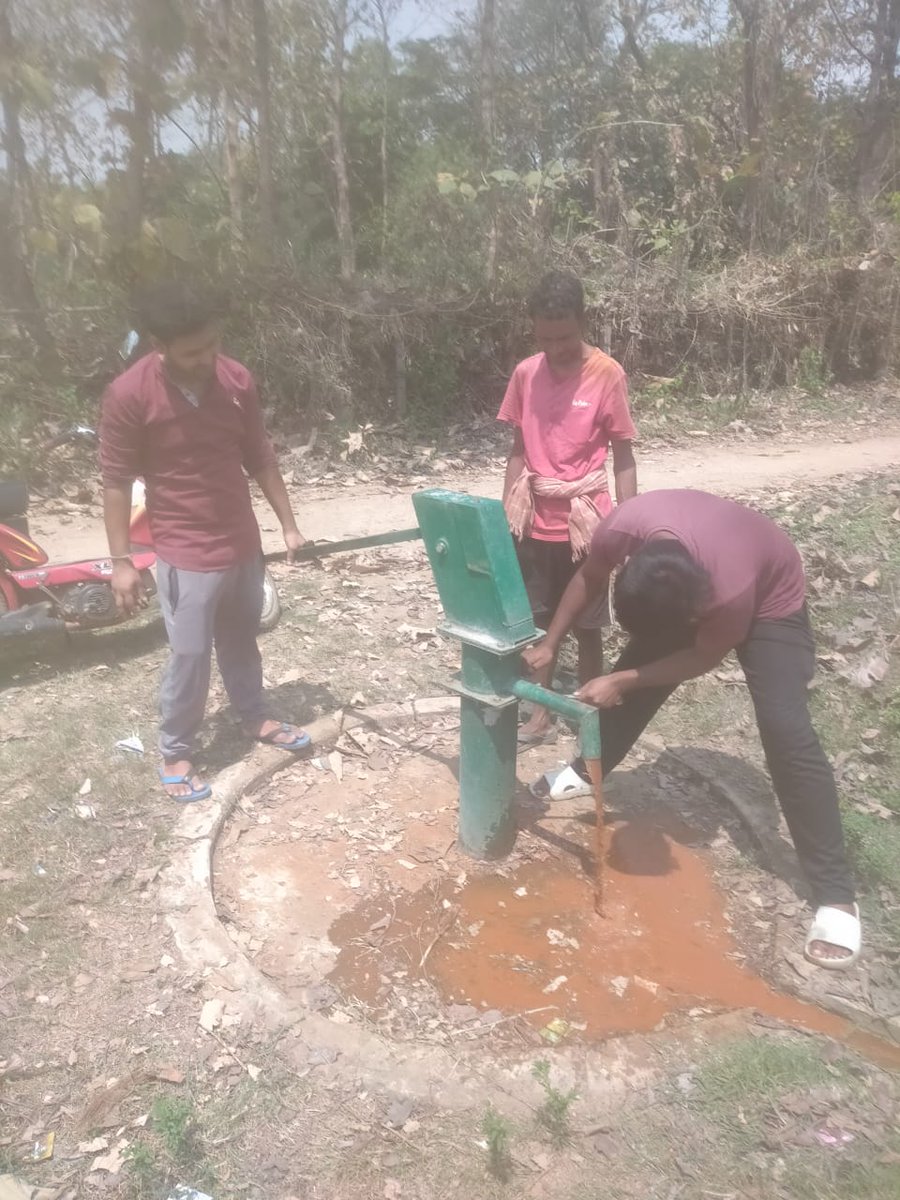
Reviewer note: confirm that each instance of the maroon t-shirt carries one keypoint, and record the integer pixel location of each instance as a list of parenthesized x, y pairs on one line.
[(194, 452), (754, 568)]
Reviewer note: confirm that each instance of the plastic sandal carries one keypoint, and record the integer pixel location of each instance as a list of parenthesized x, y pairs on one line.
[(564, 784), (195, 794), (547, 738), (838, 928), (300, 742)]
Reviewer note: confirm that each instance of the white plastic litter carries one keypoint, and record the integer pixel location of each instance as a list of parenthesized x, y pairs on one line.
[(132, 744)]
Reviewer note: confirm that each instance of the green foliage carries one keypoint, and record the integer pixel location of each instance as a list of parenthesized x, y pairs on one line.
[(850, 1181), (170, 1151), (433, 384), (497, 1133), (812, 374), (891, 713), (707, 255), (175, 1122), (145, 1170), (736, 1083), (874, 848), (554, 1113)]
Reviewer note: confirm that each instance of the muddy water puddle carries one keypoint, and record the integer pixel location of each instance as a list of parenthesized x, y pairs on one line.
[(530, 944)]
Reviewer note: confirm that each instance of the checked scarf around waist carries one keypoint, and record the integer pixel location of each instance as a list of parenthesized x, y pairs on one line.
[(583, 517)]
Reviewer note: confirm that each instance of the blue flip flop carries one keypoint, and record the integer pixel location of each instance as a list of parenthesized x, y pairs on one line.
[(298, 743), (202, 793)]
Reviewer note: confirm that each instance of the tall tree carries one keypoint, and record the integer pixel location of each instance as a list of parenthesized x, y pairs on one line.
[(880, 107), (487, 73), (337, 26), (383, 10), (262, 43), (15, 274), (487, 94), (757, 18), (140, 66), (231, 122)]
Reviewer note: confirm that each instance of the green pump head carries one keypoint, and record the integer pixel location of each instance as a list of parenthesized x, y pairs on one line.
[(476, 570)]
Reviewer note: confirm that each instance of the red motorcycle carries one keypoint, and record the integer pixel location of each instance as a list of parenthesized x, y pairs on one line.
[(76, 594), (37, 596)]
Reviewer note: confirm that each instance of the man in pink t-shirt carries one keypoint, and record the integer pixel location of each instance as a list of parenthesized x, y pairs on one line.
[(697, 577), (569, 405)]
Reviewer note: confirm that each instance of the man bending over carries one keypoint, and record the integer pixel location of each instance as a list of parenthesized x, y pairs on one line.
[(699, 576)]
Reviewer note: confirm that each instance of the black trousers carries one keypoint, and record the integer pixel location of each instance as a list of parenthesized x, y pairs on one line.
[(778, 659)]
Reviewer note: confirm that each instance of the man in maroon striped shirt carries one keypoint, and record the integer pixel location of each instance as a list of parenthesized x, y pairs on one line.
[(187, 419)]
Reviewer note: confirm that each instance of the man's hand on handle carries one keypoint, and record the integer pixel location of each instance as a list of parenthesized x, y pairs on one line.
[(128, 588), (294, 541), (607, 691), (538, 657)]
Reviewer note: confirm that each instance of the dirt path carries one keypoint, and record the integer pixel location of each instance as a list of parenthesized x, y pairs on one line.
[(348, 512)]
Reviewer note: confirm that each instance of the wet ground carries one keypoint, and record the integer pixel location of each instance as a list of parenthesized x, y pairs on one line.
[(355, 884)]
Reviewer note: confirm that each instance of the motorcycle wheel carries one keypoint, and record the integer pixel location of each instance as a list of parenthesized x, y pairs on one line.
[(271, 610)]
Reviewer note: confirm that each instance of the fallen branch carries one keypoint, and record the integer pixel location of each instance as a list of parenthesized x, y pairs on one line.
[(448, 923)]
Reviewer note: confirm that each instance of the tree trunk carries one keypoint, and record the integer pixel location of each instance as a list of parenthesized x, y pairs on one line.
[(15, 274), (488, 77), (231, 125), (880, 108), (753, 20), (140, 121), (401, 363), (343, 220), (263, 48), (606, 186), (488, 114), (381, 9)]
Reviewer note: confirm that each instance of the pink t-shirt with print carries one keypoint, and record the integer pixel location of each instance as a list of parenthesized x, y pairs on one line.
[(567, 425)]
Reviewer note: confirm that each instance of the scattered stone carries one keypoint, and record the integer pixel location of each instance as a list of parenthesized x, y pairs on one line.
[(112, 1163), (399, 1113), (96, 1146), (322, 1056), (321, 996), (461, 1014), (211, 1015)]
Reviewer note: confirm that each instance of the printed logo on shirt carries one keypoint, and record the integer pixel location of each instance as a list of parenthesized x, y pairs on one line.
[(581, 404)]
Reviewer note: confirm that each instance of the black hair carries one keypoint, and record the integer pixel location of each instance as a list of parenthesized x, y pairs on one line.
[(173, 309), (558, 295), (659, 589)]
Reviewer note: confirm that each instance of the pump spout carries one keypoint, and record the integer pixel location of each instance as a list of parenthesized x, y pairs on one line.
[(587, 717)]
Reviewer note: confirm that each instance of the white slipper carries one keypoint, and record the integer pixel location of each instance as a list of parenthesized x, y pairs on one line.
[(838, 928), (564, 784)]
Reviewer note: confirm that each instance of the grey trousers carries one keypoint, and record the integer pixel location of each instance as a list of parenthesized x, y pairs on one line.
[(202, 610)]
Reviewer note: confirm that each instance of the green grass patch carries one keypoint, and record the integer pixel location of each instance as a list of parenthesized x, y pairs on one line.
[(844, 1181), (874, 847), (170, 1151), (749, 1073)]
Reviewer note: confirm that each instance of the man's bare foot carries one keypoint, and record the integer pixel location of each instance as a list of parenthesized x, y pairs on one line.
[(181, 769), (829, 953), (537, 728)]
